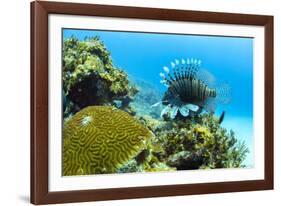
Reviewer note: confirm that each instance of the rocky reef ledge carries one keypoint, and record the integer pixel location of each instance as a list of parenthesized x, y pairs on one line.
[(90, 78), (197, 143)]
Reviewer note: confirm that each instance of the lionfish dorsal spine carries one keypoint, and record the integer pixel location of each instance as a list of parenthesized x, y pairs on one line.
[(181, 71), (174, 67)]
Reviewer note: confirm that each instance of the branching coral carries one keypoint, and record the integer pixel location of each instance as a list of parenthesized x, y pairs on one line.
[(89, 77), (101, 139)]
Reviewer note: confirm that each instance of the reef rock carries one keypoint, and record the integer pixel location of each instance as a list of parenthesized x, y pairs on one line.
[(89, 76), (197, 143)]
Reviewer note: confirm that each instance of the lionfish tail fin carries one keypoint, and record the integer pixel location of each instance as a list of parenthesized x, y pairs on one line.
[(223, 93)]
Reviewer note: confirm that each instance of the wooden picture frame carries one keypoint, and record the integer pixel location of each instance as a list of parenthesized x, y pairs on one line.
[(40, 193)]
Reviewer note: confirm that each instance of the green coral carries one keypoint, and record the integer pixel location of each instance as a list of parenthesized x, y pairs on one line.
[(197, 143), (89, 76), (145, 162), (101, 139)]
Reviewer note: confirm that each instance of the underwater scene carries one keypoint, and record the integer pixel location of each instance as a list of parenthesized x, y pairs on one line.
[(154, 102)]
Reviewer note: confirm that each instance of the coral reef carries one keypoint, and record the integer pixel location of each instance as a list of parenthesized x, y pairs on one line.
[(90, 78), (147, 160), (101, 139), (123, 132), (196, 143)]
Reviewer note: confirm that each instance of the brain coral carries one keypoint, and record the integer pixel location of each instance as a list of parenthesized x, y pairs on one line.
[(101, 139)]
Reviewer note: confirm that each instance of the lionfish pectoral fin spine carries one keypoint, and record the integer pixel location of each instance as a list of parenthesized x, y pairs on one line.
[(156, 104), (174, 112), (192, 107), (184, 111), (165, 110)]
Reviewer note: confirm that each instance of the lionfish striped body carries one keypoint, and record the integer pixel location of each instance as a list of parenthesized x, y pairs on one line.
[(188, 90)]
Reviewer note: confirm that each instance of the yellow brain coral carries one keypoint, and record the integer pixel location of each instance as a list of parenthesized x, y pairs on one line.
[(100, 139)]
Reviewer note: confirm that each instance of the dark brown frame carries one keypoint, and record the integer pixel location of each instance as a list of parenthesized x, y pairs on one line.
[(39, 101)]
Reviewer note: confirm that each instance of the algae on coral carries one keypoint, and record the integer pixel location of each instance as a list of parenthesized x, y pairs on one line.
[(197, 143), (89, 76), (187, 144)]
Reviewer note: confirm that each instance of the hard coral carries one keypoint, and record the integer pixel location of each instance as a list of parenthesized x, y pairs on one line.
[(147, 160), (89, 77), (101, 139), (204, 144)]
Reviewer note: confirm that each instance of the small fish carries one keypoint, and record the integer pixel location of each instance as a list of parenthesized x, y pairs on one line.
[(221, 117)]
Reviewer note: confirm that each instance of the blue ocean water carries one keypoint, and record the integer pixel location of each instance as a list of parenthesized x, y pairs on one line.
[(229, 59)]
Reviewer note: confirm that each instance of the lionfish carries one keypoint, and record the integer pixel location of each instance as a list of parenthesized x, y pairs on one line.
[(191, 89)]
